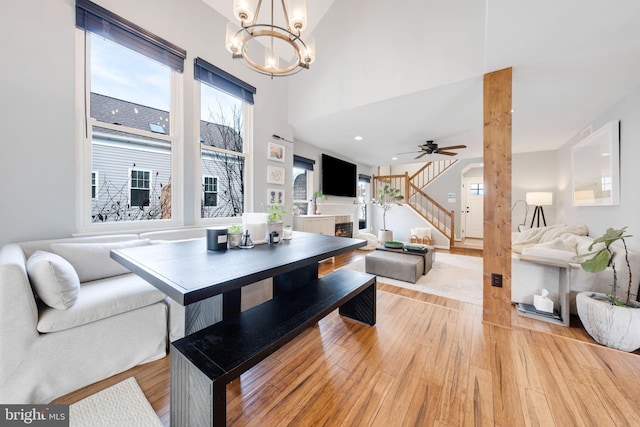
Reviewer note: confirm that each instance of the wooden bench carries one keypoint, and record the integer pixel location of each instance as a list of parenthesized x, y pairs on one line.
[(203, 363)]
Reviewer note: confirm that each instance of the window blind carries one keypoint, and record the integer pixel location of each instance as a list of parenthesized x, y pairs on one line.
[(220, 79), (98, 20), (303, 163)]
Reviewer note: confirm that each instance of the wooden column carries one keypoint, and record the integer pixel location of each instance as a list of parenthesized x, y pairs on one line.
[(497, 196)]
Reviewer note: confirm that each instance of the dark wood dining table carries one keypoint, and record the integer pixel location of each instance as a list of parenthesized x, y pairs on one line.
[(194, 276)]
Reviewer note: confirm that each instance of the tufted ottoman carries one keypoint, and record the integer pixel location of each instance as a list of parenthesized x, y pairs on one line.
[(396, 265)]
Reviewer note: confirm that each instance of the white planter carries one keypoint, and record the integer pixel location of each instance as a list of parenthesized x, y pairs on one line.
[(614, 326), (234, 239), (385, 235)]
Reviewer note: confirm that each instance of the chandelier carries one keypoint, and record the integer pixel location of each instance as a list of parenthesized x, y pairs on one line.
[(281, 38)]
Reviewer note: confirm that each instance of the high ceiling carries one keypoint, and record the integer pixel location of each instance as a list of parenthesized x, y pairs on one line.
[(400, 73)]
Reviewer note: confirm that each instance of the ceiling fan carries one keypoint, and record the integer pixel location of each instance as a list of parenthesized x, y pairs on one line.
[(432, 148)]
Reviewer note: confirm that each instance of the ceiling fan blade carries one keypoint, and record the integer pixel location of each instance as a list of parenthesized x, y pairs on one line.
[(447, 153), (420, 155), (453, 147), (409, 152)]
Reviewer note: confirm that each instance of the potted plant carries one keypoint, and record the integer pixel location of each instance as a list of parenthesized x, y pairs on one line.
[(234, 234), (275, 216), (609, 320), (387, 197), (316, 206)]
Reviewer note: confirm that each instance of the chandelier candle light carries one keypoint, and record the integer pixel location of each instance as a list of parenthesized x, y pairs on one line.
[(278, 39)]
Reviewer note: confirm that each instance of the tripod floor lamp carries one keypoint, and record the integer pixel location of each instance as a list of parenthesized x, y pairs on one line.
[(539, 199)]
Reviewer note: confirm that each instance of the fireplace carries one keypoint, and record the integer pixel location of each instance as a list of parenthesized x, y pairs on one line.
[(344, 226)]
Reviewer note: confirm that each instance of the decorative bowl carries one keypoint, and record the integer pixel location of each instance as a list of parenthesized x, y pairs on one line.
[(392, 244)]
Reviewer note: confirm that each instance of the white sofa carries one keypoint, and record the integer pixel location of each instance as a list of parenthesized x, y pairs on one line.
[(111, 321), (564, 242)]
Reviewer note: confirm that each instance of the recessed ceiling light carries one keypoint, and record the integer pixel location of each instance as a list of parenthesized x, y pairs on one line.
[(358, 138), (394, 158)]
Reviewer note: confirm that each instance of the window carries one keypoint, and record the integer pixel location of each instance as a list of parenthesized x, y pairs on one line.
[(302, 183), (476, 189), (225, 105), (94, 184), (364, 188), (210, 188), (132, 118), (140, 188)]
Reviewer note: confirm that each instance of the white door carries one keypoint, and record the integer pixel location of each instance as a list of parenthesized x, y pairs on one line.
[(473, 207)]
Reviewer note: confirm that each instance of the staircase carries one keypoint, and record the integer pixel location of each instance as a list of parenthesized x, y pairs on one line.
[(412, 188)]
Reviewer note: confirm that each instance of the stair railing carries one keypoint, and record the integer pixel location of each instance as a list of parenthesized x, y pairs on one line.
[(412, 188)]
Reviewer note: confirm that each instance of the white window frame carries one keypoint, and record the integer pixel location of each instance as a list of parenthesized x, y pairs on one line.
[(83, 149), (131, 187), (204, 191), (309, 173), (247, 154), (95, 179)]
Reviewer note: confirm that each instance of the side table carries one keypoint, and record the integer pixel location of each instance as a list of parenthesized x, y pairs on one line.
[(563, 289)]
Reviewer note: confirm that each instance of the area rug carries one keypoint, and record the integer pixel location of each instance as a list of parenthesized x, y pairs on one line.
[(123, 404), (452, 276)]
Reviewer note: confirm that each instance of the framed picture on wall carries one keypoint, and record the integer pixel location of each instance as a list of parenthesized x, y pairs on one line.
[(275, 175), (595, 168), (275, 196), (275, 152)]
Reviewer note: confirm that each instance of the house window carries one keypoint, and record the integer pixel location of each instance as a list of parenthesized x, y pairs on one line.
[(302, 183), (140, 188), (225, 108), (131, 116), (210, 188), (94, 184), (476, 189), (364, 188)]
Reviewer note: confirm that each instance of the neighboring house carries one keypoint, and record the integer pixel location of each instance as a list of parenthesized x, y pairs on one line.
[(131, 174)]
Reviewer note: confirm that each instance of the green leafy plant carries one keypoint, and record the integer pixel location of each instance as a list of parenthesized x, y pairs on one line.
[(235, 229), (275, 213), (602, 258), (387, 197), (319, 195)]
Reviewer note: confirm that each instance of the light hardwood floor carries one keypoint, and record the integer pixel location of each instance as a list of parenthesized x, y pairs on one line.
[(429, 361)]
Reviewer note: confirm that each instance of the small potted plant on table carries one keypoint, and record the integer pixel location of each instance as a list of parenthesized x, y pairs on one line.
[(234, 233), (275, 216), (316, 206)]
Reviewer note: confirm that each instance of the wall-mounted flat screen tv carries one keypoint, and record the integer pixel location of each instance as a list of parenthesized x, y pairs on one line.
[(339, 178)]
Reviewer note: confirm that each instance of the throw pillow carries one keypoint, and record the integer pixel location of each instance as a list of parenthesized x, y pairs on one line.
[(54, 279), (92, 261)]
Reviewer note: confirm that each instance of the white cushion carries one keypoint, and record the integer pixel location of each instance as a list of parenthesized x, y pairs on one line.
[(92, 261), (547, 252), (54, 279), (101, 299)]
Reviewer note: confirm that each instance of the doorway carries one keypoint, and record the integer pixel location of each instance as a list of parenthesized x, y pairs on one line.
[(472, 207)]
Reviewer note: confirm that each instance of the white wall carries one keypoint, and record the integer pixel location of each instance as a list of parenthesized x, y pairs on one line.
[(37, 165), (37, 153), (350, 76), (333, 205), (535, 171), (599, 218)]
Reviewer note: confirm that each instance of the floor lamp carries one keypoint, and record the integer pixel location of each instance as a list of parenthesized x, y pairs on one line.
[(539, 199)]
